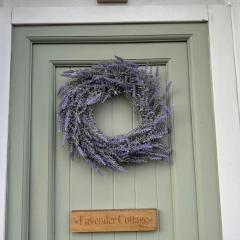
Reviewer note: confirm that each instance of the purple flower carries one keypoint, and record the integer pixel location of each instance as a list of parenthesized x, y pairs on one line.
[(89, 86)]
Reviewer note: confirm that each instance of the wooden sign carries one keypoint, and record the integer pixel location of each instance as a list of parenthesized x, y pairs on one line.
[(118, 220), (112, 1)]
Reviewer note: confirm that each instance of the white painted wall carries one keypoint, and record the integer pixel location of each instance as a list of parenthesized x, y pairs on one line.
[(5, 50), (41, 3), (226, 108)]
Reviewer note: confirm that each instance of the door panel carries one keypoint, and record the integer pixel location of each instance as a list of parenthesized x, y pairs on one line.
[(57, 184)]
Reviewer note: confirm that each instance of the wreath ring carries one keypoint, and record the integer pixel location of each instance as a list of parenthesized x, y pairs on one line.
[(87, 87)]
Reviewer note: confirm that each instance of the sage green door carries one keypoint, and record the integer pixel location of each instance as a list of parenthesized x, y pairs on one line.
[(44, 185)]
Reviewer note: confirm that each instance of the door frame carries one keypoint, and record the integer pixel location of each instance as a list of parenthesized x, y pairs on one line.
[(224, 73)]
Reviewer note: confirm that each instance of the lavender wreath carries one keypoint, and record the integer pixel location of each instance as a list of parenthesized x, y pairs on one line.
[(149, 141)]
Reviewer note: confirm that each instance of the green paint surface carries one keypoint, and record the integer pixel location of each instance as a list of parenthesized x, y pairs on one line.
[(44, 185)]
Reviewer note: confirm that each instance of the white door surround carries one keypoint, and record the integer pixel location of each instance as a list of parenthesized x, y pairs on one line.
[(224, 67)]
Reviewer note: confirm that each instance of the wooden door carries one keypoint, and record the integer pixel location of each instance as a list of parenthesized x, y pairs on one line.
[(45, 184)]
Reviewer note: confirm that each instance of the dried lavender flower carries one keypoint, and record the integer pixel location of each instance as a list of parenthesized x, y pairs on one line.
[(147, 142)]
